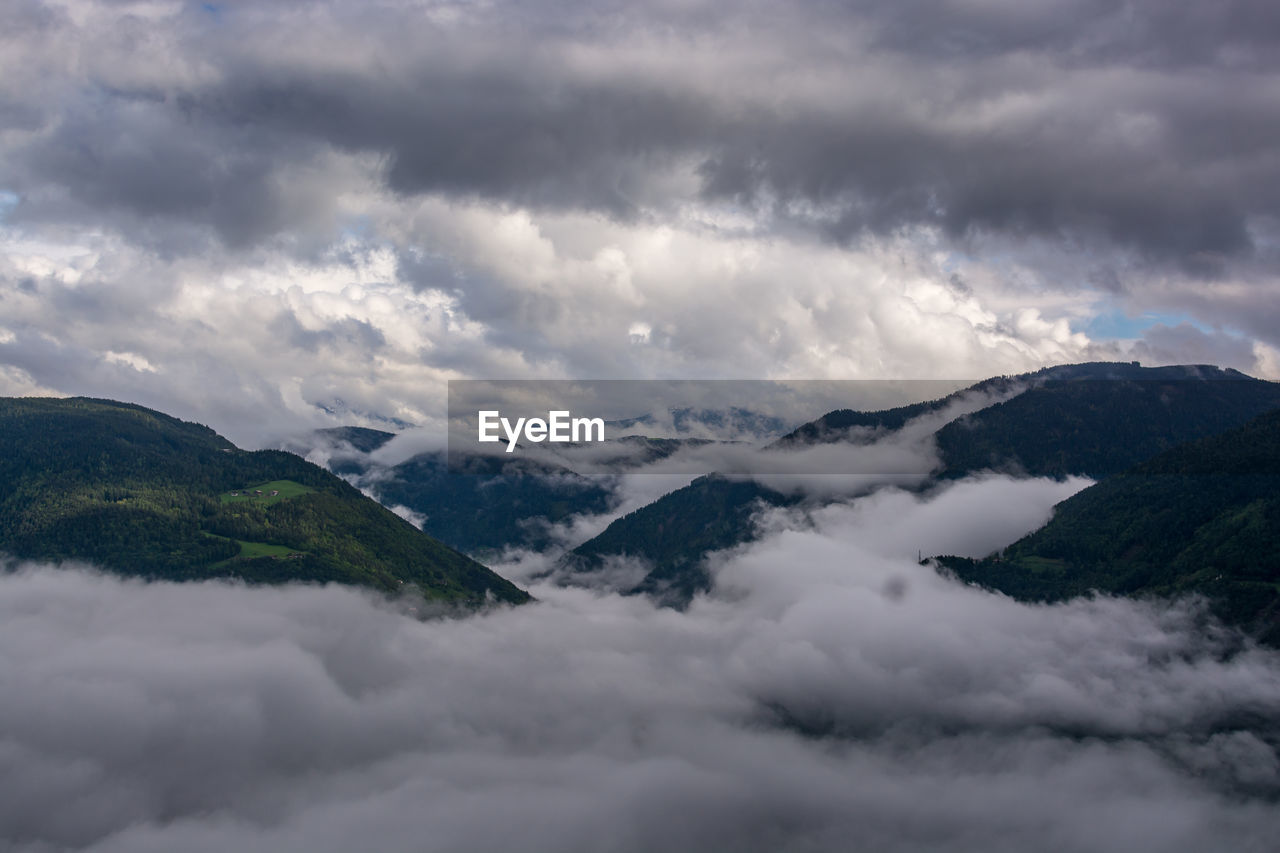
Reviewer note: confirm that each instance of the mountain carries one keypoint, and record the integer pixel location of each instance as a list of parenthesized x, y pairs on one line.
[(732, 423), (858, 426), (344, 450), (141, 493), (1093, 419), (361, 439), (674, 533), (1203, 517), (341, 409), (483, 504), (1099, 419), (629, 452)]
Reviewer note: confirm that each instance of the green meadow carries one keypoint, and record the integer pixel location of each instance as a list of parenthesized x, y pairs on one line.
[(266, 493), (249, 550)]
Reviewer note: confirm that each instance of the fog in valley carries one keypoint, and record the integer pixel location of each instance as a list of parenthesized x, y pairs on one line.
[(829, 694)]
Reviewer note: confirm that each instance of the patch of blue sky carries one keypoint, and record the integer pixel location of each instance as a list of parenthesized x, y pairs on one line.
[(357, 227), (1119, 325), (8, 201)]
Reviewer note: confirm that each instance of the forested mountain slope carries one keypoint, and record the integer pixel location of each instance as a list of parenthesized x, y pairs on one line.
[(674, 533), (141, 493), (1203, 517), (484, 504)]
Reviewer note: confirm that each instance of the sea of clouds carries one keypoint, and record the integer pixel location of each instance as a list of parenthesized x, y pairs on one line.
[(830, 694)]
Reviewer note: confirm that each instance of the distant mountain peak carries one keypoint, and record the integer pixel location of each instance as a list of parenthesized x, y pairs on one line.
[(339, 408), (363, 439)]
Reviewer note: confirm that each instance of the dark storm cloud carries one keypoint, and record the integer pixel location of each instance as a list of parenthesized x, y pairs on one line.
[(136, 155), (1183, 182), (512, 132), (1136, 124), (837, 697)]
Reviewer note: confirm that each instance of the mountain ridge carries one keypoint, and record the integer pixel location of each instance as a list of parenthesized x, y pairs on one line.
[(1093, 419)]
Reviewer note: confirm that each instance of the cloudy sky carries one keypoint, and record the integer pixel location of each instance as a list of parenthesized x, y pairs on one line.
[(269, 216), (244, 211)]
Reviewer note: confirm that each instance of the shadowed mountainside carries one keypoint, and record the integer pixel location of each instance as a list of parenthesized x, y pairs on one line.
[(1203, 517)]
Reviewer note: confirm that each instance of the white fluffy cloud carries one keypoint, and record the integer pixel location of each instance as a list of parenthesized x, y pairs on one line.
[(255, 344)]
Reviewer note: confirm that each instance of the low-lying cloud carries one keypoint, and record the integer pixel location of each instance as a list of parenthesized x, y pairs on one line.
[(831, 694)]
